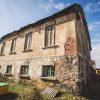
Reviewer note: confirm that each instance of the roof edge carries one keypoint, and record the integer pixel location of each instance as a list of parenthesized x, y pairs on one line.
[(71, 7)]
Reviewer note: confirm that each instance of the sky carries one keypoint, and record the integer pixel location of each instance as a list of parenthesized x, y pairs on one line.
[(18, 13)]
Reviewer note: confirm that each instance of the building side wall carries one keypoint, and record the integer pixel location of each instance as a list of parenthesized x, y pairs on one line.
[(84, 58)]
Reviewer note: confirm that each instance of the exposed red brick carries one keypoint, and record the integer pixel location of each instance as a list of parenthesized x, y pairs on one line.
[(57, 65), (70, 47)]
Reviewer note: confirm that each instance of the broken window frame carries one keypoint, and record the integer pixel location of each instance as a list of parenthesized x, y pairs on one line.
[(28, 42), (24, 70), (50, 36), (48, 71), (13, 45)]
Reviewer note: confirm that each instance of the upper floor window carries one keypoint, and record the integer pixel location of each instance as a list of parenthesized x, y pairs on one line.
[(28, 41), (13, 45), (49, 36), (9, 69), (2, 48)]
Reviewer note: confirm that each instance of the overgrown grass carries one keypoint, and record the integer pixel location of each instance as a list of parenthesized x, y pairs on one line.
[(29, 93), (24, 92)]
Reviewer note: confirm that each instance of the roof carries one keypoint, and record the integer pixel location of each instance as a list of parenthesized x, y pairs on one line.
[(74, 7), (97, 68)]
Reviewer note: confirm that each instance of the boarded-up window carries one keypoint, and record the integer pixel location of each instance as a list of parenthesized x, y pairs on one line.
[(2, 48), (9, 69), (13, 45), (28, 41), (50, 36), (24, 70), (48, 71)]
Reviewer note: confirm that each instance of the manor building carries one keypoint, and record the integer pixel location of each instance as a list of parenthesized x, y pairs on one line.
[(56, 48)]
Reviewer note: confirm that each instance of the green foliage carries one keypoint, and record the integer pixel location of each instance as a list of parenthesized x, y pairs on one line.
[(6, 79), (3, 79)]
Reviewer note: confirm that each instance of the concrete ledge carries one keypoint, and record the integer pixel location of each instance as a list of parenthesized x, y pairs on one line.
[(48, 78), (12, 53), (28, 50), (25, 76), (55, 46), (7, 74)]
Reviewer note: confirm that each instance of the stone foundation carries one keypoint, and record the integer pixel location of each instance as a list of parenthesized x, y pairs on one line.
[(65, 71)]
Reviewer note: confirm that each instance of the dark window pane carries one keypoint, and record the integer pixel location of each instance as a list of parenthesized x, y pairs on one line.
[(50, 36), (2, 48), (13, 45), (9, 69), (24, 70), (28, 41), (48, 71)]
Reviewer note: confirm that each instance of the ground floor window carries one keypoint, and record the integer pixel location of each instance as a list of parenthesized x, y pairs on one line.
[(24, 70), (0, 68), (9, 69), (48, 71)]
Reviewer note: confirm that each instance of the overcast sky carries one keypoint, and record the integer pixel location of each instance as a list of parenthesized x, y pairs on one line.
[(17, 13)]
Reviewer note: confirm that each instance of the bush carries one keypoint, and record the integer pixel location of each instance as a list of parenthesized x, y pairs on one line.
[(4, 78)]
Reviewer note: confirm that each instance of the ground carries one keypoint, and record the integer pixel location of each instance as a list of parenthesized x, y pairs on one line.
[(22, 92), (30, 91)]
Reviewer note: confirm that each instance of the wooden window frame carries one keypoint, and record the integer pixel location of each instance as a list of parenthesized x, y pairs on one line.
[(13, 46), (50, 36), (2, 49), (24, 70), (9, 69), (28, 42), (48, 71)]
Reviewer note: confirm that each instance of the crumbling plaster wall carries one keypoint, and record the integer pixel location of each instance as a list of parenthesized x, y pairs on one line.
[(64, 57), (84, 57)]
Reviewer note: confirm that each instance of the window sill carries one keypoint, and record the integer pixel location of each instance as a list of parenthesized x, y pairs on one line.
[(26, 76), (48, 78), (12, 53), (2, 54), (8, 74), (28, 50), (55, 46)]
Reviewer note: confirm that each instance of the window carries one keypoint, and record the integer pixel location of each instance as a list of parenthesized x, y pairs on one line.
[(28, 41), (13, 45), (24, 70), (0, 69), (9, 69), (50, 36), (2, 48), (48, 71)]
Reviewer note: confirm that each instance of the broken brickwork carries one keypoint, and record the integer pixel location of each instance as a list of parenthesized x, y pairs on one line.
[(70, 47)]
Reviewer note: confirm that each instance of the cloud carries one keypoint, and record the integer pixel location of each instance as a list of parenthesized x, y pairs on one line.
[(95, 54), (93, 7), (51, 4), (95, 40), (94, 26)]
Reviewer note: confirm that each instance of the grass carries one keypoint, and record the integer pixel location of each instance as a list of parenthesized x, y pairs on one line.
[(21, 92)]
